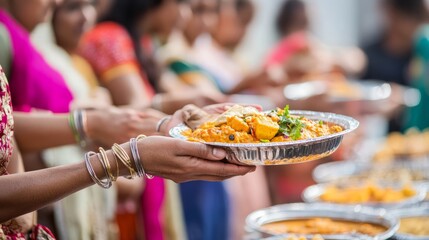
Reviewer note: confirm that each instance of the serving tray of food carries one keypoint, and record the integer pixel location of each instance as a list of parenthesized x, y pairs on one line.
[(276, 137), (327, 220), (394, 172), (366, 194)]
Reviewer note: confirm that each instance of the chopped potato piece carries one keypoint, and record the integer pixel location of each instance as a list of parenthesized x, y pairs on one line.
[(237, 124), (265, 128)]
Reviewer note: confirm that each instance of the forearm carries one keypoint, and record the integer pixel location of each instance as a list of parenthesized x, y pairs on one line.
[(38, 131), (25, 192)]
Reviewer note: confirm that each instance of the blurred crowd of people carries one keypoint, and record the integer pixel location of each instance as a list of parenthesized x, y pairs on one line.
[(131, 62)]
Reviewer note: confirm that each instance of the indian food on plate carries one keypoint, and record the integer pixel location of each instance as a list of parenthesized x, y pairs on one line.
[(413, 144), (368, 193), (325, 226), (242, 124), (418, 226)]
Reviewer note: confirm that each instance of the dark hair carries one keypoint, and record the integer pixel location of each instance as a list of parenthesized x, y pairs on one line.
[(126, 13), (411, 8), (243, 4), (286, 14)]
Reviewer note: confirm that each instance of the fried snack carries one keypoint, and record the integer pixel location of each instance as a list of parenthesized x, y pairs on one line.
[(368, 193), (399, 146), (417, 226), (325, 226), (247, 125)]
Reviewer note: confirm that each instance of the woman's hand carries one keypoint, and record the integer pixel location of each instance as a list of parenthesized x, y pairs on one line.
[(112, 125), (177, 117), (183, 161)]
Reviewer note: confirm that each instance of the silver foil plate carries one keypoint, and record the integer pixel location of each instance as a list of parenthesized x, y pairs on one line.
[(280, 153), (350, 170), (312, 195), (257, 219)]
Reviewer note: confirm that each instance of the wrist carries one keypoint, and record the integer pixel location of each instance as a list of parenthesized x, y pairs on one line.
[(91, 125), (161, 126), (144, 158)]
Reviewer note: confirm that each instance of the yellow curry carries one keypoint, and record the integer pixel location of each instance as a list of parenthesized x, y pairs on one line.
[(323, 226), (247, 125)]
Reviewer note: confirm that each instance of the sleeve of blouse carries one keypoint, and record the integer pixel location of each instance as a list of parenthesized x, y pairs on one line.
[(5, 50), (110, 51)]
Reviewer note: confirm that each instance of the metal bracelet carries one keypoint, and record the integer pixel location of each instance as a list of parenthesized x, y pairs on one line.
[(160, 122), (149, 176), (136, 157), (104, 184)]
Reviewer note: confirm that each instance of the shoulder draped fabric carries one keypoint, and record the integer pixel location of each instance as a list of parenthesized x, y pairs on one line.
[(33, 83)]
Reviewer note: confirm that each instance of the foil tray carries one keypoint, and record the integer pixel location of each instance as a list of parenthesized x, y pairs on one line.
[(312, 195), (281, 153), (257, 219)]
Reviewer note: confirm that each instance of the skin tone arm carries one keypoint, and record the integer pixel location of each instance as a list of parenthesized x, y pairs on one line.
[(38, 131), (127, 90), (179, 161)]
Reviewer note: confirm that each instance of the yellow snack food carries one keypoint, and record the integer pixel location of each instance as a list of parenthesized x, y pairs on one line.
[(368, 193), (417, 226)]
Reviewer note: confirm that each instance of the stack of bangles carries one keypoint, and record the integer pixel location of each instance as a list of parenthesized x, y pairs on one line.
[(78, 125), (133, 163)]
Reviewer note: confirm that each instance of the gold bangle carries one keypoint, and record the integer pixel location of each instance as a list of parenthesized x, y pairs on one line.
[(124, 158), (117, 165), (105, 159)]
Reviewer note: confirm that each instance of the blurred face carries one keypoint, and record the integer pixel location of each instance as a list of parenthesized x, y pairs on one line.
[(201, 16), (232, 26), (164, 19), (102, 7), (71, 20), (32, 12), (400, 30), (299, 21)]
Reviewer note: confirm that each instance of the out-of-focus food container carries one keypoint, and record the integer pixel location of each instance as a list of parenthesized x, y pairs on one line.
[(371, 94), (395, 172), (414, 145), (279, 153), (372, 195), (326, 218), (413, 222)]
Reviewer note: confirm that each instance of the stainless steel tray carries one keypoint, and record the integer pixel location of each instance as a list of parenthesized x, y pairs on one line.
[(280, 153), (312, 194), (257, 219)]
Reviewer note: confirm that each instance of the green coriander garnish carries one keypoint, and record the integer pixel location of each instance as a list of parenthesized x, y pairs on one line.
[(290, 126)]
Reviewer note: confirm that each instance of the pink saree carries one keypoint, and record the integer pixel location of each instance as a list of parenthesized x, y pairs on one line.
[(33, 83)]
